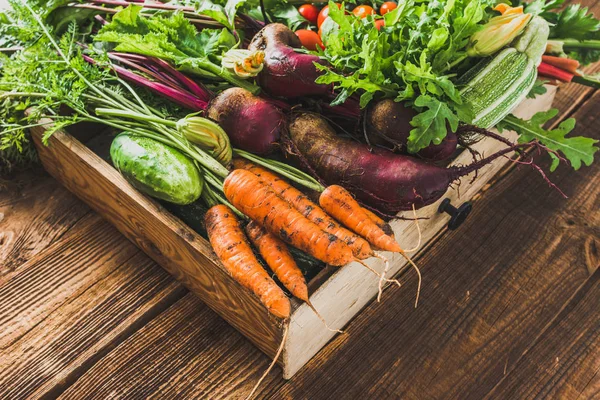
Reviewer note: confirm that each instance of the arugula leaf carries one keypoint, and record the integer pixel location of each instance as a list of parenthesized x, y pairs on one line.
[(537, 89), (430, 125), (409, 60), (576, 149)]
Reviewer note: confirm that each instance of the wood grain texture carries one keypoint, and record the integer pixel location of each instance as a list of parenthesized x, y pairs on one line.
[(186, 255), (489, 290), (565, 362), (54, 277), (54, 209), (188, 352), (54, 352)]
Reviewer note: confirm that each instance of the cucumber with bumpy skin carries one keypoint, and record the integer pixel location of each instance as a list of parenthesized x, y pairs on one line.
[(495, 86), (156, 169)]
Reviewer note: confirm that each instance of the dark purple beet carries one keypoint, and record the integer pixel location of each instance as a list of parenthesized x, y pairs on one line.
[(252, 124), (388, 125), (384, 180), (286, 73), (442, 151)]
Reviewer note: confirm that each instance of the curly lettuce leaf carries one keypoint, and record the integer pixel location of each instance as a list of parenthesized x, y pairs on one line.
[(171, 38), (576, 149)]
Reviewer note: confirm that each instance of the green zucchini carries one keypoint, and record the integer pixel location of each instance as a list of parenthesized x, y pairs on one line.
[(156, 169), (494, 87)]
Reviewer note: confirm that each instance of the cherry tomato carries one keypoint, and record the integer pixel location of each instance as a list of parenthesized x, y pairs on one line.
[(310, 12), (363, 11), (309, 39), (324, 14), (387, 7), (379, 24)]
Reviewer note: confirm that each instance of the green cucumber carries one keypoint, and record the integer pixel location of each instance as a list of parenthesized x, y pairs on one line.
[(156, 169)]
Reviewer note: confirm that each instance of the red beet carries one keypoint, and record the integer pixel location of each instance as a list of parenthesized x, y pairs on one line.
[(384, 180), (286, 73), (252, 123), (388, 125)]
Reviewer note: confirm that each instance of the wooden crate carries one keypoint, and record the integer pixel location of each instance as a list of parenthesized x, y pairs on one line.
[(339, 294)]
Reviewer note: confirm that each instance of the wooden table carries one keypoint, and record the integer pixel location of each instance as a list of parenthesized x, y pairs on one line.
[(510, 305)]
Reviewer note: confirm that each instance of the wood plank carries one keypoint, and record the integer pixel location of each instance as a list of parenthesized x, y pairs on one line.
[(35, 211), (565, 361), (68, 268), (186, 255), (54, 353), (188, 352), (488, 291)]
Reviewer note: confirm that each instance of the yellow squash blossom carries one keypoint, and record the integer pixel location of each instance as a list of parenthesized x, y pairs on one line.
[(499, 31), (244, 63)]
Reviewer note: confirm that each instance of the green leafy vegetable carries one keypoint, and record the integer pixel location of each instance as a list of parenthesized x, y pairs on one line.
[(172, 38), (542, 7), (574, 31), (538, 89), (574, 22), (576, 150), (430, 125), (411, 60)]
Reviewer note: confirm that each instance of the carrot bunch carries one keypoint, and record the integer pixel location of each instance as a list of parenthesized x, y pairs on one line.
[(336, 231)]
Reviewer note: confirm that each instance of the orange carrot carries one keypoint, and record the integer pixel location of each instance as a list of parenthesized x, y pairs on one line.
[(379, 222), (340, 204), (563, 63), (259, 202), (279, 259), (229, 243), (360, 247)]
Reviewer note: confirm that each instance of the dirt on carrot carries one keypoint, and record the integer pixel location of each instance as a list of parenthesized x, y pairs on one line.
[(360, 247), (258, 201)]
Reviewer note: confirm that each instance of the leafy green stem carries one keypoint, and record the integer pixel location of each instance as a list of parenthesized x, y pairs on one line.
[(283, 169), (579, 44)]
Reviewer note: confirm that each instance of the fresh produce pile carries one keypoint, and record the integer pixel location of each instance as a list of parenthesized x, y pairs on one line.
[(299, 126)]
